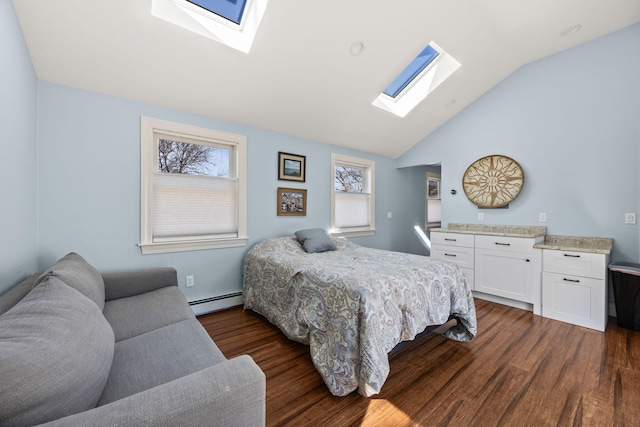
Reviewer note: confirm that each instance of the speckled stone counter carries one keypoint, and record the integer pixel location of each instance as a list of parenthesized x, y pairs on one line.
[(596, 245), (496, 230)]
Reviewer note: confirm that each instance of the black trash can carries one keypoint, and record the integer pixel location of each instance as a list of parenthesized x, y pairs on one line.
[(625, 279)]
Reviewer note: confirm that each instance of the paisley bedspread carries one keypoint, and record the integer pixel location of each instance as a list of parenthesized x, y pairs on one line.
[(354, 305)]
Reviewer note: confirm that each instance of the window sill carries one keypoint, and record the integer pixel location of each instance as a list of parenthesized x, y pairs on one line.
[(192, 245), (354, 233)]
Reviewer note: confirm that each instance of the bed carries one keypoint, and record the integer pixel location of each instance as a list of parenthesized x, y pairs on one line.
[(353, 305)]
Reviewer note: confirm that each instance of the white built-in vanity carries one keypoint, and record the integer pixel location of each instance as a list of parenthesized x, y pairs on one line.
[(559, 277)]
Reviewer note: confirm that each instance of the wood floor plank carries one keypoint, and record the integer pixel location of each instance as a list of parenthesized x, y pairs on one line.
[(521, 369)]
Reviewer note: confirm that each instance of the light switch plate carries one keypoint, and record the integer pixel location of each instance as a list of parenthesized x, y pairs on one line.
[(630, 218)]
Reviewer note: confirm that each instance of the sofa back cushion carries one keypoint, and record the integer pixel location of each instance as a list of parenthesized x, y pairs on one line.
[(56, 350), (76, 272), (15, 294)]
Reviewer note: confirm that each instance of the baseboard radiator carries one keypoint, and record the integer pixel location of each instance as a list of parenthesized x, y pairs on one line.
[(208, 305)]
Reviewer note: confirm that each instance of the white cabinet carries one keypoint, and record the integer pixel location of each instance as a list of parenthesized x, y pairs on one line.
[(574, 287), (509, 267), (457, 248)]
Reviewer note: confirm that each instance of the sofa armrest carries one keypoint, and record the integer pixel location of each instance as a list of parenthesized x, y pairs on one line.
[(129, 283), (227, 394)]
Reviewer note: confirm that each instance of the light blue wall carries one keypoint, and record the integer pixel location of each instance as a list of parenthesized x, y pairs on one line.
[(572, 121), (89, 189), (18, 252)]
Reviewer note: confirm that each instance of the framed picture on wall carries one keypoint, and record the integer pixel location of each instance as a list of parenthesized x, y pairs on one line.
[(291, 167), (292, 202), (433, 188)]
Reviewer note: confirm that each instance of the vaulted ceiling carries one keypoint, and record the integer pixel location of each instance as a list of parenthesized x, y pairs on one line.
[(300, 78)]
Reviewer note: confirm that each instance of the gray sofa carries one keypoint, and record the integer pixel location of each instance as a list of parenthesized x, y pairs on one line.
[(78, 348)]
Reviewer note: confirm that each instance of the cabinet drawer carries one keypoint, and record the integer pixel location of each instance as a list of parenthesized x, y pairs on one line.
[(452, 239), (577, 300), (575, 263), (461, 256), (499, 243)]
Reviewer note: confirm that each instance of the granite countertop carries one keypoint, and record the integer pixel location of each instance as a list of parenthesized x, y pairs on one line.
[(596, 245), (496, 230)]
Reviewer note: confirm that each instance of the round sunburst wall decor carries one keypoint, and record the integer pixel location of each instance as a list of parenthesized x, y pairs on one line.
[(493, 181)]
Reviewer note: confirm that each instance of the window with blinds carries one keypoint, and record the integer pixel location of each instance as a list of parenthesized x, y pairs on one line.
[(352, 198), (193, 189)]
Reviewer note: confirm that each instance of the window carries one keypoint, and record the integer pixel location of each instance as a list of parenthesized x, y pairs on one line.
[(193, 188), (229, 9), (425, 73), (412, 71), (231, 22), (352, 196)]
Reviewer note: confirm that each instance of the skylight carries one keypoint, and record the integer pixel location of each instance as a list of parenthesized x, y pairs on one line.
[(229, 9), (425, 73), (230, 22), (411, 72)]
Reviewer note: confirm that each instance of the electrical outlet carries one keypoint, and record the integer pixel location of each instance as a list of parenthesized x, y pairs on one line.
[(389, 215), (480, 216), (630, 218), (542, 217), (190, 281)]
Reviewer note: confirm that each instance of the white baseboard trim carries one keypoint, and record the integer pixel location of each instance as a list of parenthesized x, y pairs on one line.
[(504, 301), (524, 305), (221, 302)]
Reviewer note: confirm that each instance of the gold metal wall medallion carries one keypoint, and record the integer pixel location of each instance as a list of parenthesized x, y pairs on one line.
[(493, 181)]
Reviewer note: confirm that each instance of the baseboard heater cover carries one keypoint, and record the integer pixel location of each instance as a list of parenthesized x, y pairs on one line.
[(220, 302)]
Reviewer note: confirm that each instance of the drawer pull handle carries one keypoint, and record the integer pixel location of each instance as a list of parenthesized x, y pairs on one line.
[(527, 260), (451, 240), (572, 256), (449, 254), (502, 244), (570, 280)]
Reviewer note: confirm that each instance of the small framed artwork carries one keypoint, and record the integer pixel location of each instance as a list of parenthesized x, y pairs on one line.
[(292, 201), (291, 167), (433, 188)]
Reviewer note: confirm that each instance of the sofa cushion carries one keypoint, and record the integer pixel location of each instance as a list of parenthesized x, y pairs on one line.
[(158, 357), (15, 294), (142, 313), (56, 350), (76, 272)]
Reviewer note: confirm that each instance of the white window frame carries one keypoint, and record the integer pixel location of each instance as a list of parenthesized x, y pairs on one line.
[(148, 166), (369, 187), (440, 69), (208, 24)]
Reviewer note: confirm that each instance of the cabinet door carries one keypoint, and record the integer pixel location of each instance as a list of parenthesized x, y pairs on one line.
[(573, 299), (506, 274)]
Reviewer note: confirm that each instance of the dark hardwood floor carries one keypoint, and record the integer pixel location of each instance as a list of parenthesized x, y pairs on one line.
[(521, 370)]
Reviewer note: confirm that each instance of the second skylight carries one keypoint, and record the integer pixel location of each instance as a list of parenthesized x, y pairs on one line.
[(428, 70), (411, 72), (229, 9)]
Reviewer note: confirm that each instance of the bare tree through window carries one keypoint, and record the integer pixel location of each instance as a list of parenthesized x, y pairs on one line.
[(192, 159), (349, 179)]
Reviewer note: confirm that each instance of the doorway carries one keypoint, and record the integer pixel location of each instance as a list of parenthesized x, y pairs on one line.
[(433, 197)]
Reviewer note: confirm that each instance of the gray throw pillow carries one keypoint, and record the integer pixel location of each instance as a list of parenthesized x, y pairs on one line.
[(319, 244), (76, 272), (303, 235), (315, 240), (56, 350)]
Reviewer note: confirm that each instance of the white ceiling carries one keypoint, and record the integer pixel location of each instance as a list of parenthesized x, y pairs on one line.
[(300, 78)]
